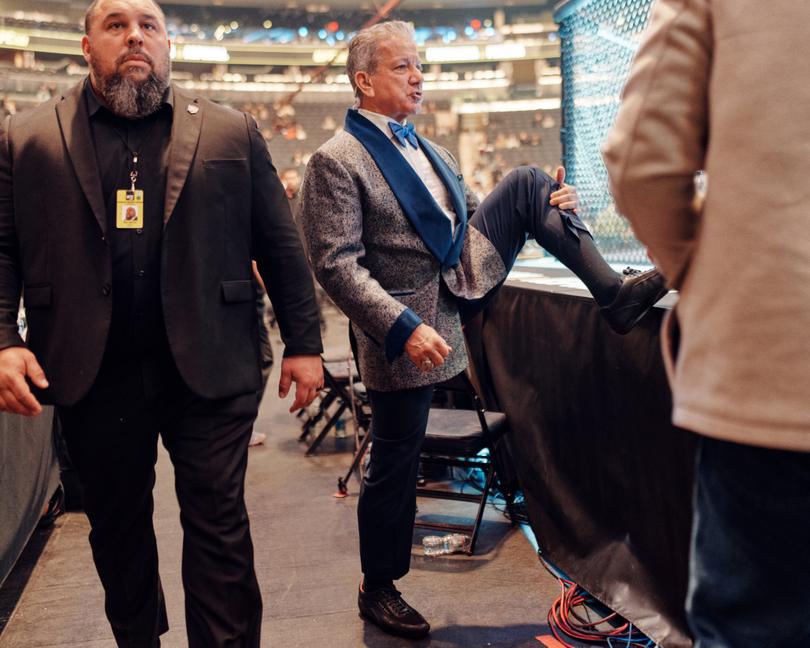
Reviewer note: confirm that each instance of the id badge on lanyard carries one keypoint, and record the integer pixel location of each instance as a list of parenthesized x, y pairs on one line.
[(129, 209)]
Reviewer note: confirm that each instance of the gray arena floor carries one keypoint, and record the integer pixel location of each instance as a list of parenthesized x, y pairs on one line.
[(306, 559)]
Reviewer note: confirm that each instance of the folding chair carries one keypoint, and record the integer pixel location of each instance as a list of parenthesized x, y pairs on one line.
[(338, 375), (457, 438)]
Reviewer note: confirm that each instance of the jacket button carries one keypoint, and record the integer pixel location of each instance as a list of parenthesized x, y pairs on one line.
[(106, 290), (139, 230)]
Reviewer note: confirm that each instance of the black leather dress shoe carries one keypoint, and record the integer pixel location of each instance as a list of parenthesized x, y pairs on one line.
[(386, 608), (638, 293)]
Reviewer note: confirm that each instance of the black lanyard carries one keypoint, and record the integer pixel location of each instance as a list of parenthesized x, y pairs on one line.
[(133, 173)]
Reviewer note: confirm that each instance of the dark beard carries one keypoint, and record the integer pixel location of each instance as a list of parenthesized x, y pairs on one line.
[(128, 98)]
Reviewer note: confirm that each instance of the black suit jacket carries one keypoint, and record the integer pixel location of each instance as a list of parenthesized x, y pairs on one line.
[(224, 206)]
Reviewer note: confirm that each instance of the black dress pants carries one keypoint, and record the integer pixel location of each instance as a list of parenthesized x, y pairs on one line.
[(112, 438)]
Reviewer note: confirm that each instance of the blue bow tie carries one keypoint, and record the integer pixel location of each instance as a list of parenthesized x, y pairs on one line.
[(403, 134)]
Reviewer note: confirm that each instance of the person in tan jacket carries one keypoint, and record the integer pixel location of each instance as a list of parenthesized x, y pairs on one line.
[(724, 85)]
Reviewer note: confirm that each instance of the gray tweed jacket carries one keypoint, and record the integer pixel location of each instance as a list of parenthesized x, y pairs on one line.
[(374, 265)]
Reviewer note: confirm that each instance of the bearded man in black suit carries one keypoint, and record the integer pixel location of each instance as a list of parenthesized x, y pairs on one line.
[(146, 326)]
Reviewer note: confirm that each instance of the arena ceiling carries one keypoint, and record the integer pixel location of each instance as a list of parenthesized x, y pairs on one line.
[(324, 5), (317, 6)]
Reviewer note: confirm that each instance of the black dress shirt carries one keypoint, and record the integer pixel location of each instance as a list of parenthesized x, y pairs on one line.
[(137, 323)]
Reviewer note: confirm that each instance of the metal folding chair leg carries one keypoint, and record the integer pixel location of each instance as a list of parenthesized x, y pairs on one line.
[(316, 418), (326, 428), (359, 455)]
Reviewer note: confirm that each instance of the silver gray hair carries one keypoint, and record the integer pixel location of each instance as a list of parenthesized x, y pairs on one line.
[(363, 47)]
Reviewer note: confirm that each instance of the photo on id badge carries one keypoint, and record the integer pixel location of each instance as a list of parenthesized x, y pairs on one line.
[(129, 209)]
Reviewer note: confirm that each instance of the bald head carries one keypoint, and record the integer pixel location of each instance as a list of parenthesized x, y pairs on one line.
[(94, 11)]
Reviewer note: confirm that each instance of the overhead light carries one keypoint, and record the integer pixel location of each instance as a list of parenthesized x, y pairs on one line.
[(206, 53), (448, 54), (524, 28), (508, 106), (326, 55), (13, 39), (505, 51)]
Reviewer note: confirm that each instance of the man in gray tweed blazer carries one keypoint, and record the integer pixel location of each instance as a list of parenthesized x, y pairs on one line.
[(405, 250)]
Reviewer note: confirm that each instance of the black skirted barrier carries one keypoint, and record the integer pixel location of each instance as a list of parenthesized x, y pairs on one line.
[(29, 476), (607, 479)]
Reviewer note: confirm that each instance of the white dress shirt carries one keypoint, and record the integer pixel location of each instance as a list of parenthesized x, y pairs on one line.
[(418, 160)]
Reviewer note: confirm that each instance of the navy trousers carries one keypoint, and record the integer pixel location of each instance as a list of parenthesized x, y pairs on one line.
[(750, 558), (387, 506)]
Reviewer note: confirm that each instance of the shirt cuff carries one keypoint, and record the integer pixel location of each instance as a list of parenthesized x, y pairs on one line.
[(399, 333)]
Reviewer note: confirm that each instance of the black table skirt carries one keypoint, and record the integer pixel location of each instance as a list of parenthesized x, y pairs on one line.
[(607, 478), (29, 475)]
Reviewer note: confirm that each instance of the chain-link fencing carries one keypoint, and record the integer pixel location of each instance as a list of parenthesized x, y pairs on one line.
[(598, 41)]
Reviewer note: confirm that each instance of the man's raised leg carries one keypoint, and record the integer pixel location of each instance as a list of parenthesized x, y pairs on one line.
[(519, 207)]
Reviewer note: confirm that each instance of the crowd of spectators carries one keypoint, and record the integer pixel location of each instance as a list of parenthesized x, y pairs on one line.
[(504, 140), (511, 139), (287, 25), (294, 130)]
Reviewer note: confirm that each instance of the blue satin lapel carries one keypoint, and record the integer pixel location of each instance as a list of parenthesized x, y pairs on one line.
[(416, 202)]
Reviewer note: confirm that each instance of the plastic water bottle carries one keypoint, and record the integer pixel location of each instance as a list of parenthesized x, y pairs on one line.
[(443, 545), (340, 428)]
